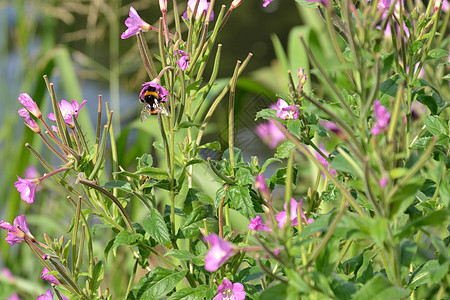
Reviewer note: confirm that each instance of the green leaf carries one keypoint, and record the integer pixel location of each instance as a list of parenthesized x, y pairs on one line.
[(125, 238), (436, 125), (280, 177), (244, 177), (339, 163), (437, 53), (388, 88), (237, 155), (274, 292), (186, 124), (118, 184), (266, 114), (183, 255), (195, 195), (156, 284), (193, 230), (422, 143), (429, 101), (146, 160), (213, 146), (155, 226), (154, 173), (294, 127), (97, 275), (241, 201), (407, 252), (267, 163), (306, 3), (284, 150), (379, 288), (197, 293)]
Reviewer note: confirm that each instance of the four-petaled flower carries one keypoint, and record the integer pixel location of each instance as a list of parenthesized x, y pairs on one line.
[(162, 92), (134, 23), (230, 291), (281, 217), (68, 111), (16, 233), (26, 188), (258, 225), (270, 133), (49, 277), (23, 112), (29, 104), (202, 8), (49, 296), (219, 253), (382, 116), (184, 60), (285, 111)]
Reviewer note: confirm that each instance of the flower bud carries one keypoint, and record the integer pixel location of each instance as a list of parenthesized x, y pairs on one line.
[(163, 6)]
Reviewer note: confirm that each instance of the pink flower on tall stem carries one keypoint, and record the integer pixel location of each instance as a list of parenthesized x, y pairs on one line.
[(382, 117), (219, 253), (202, 9), (26, 188), (285, 111), (134, 23), (261, 185), (49, 296), (49, 277), (30, 105), (17, 233), (28, 120), (258, 225), (184, 60), (162, 92), (270, 133), (230, 291), (281, 217), (13, 296), (68, 111)]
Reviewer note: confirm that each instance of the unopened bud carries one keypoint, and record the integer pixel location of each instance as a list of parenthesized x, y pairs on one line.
[(163, 6), (301, 78), (236, 3)]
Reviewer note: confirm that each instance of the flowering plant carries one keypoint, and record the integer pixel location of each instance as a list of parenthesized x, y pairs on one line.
[(352, 204)]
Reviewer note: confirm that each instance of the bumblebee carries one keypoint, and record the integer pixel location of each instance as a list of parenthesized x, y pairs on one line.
[(152, 104)]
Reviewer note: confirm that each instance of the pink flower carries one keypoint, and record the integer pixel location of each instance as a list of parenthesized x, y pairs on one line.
[(49, 277), (333, 127), (260, 184), (219, 253), (230, 291), (49, 296), (16, 233), (202, 9), (13, 297), (270, 133), (163, 6), (281, 217), (258, 225), (7, 273), (184, 60), (325, 162), (28, 120), (382, 116), (285, 111), (68, 111), (266, 2), (26, 188), (134, 23), (162, 92), (29, 104)]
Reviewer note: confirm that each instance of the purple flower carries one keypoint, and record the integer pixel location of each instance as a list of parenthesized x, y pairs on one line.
[(29, 104), (26, 188), (49, 296), (28, 120), (266, 2), (382, 116), (162, 92), (49, 277), (285, 111), (383, 182), (333, 127), (134, 23), (16, 233), (219, 253), (281, 217), (230, 291), (325, 162), (270, 133), (68, 111), (7, 273), (258, 225), (184, 60), (260, 184), (202, 8), (13, 297)]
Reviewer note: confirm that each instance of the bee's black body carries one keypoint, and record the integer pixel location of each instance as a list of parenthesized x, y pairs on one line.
[(152, 103)]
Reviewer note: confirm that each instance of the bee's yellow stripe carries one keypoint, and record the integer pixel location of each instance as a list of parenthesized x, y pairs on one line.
[(150, 93)]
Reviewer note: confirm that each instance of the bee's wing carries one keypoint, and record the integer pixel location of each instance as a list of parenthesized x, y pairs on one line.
[(144, 114), (161, 106)]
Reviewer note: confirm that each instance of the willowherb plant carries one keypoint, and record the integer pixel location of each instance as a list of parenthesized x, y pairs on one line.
[(371, 221)]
